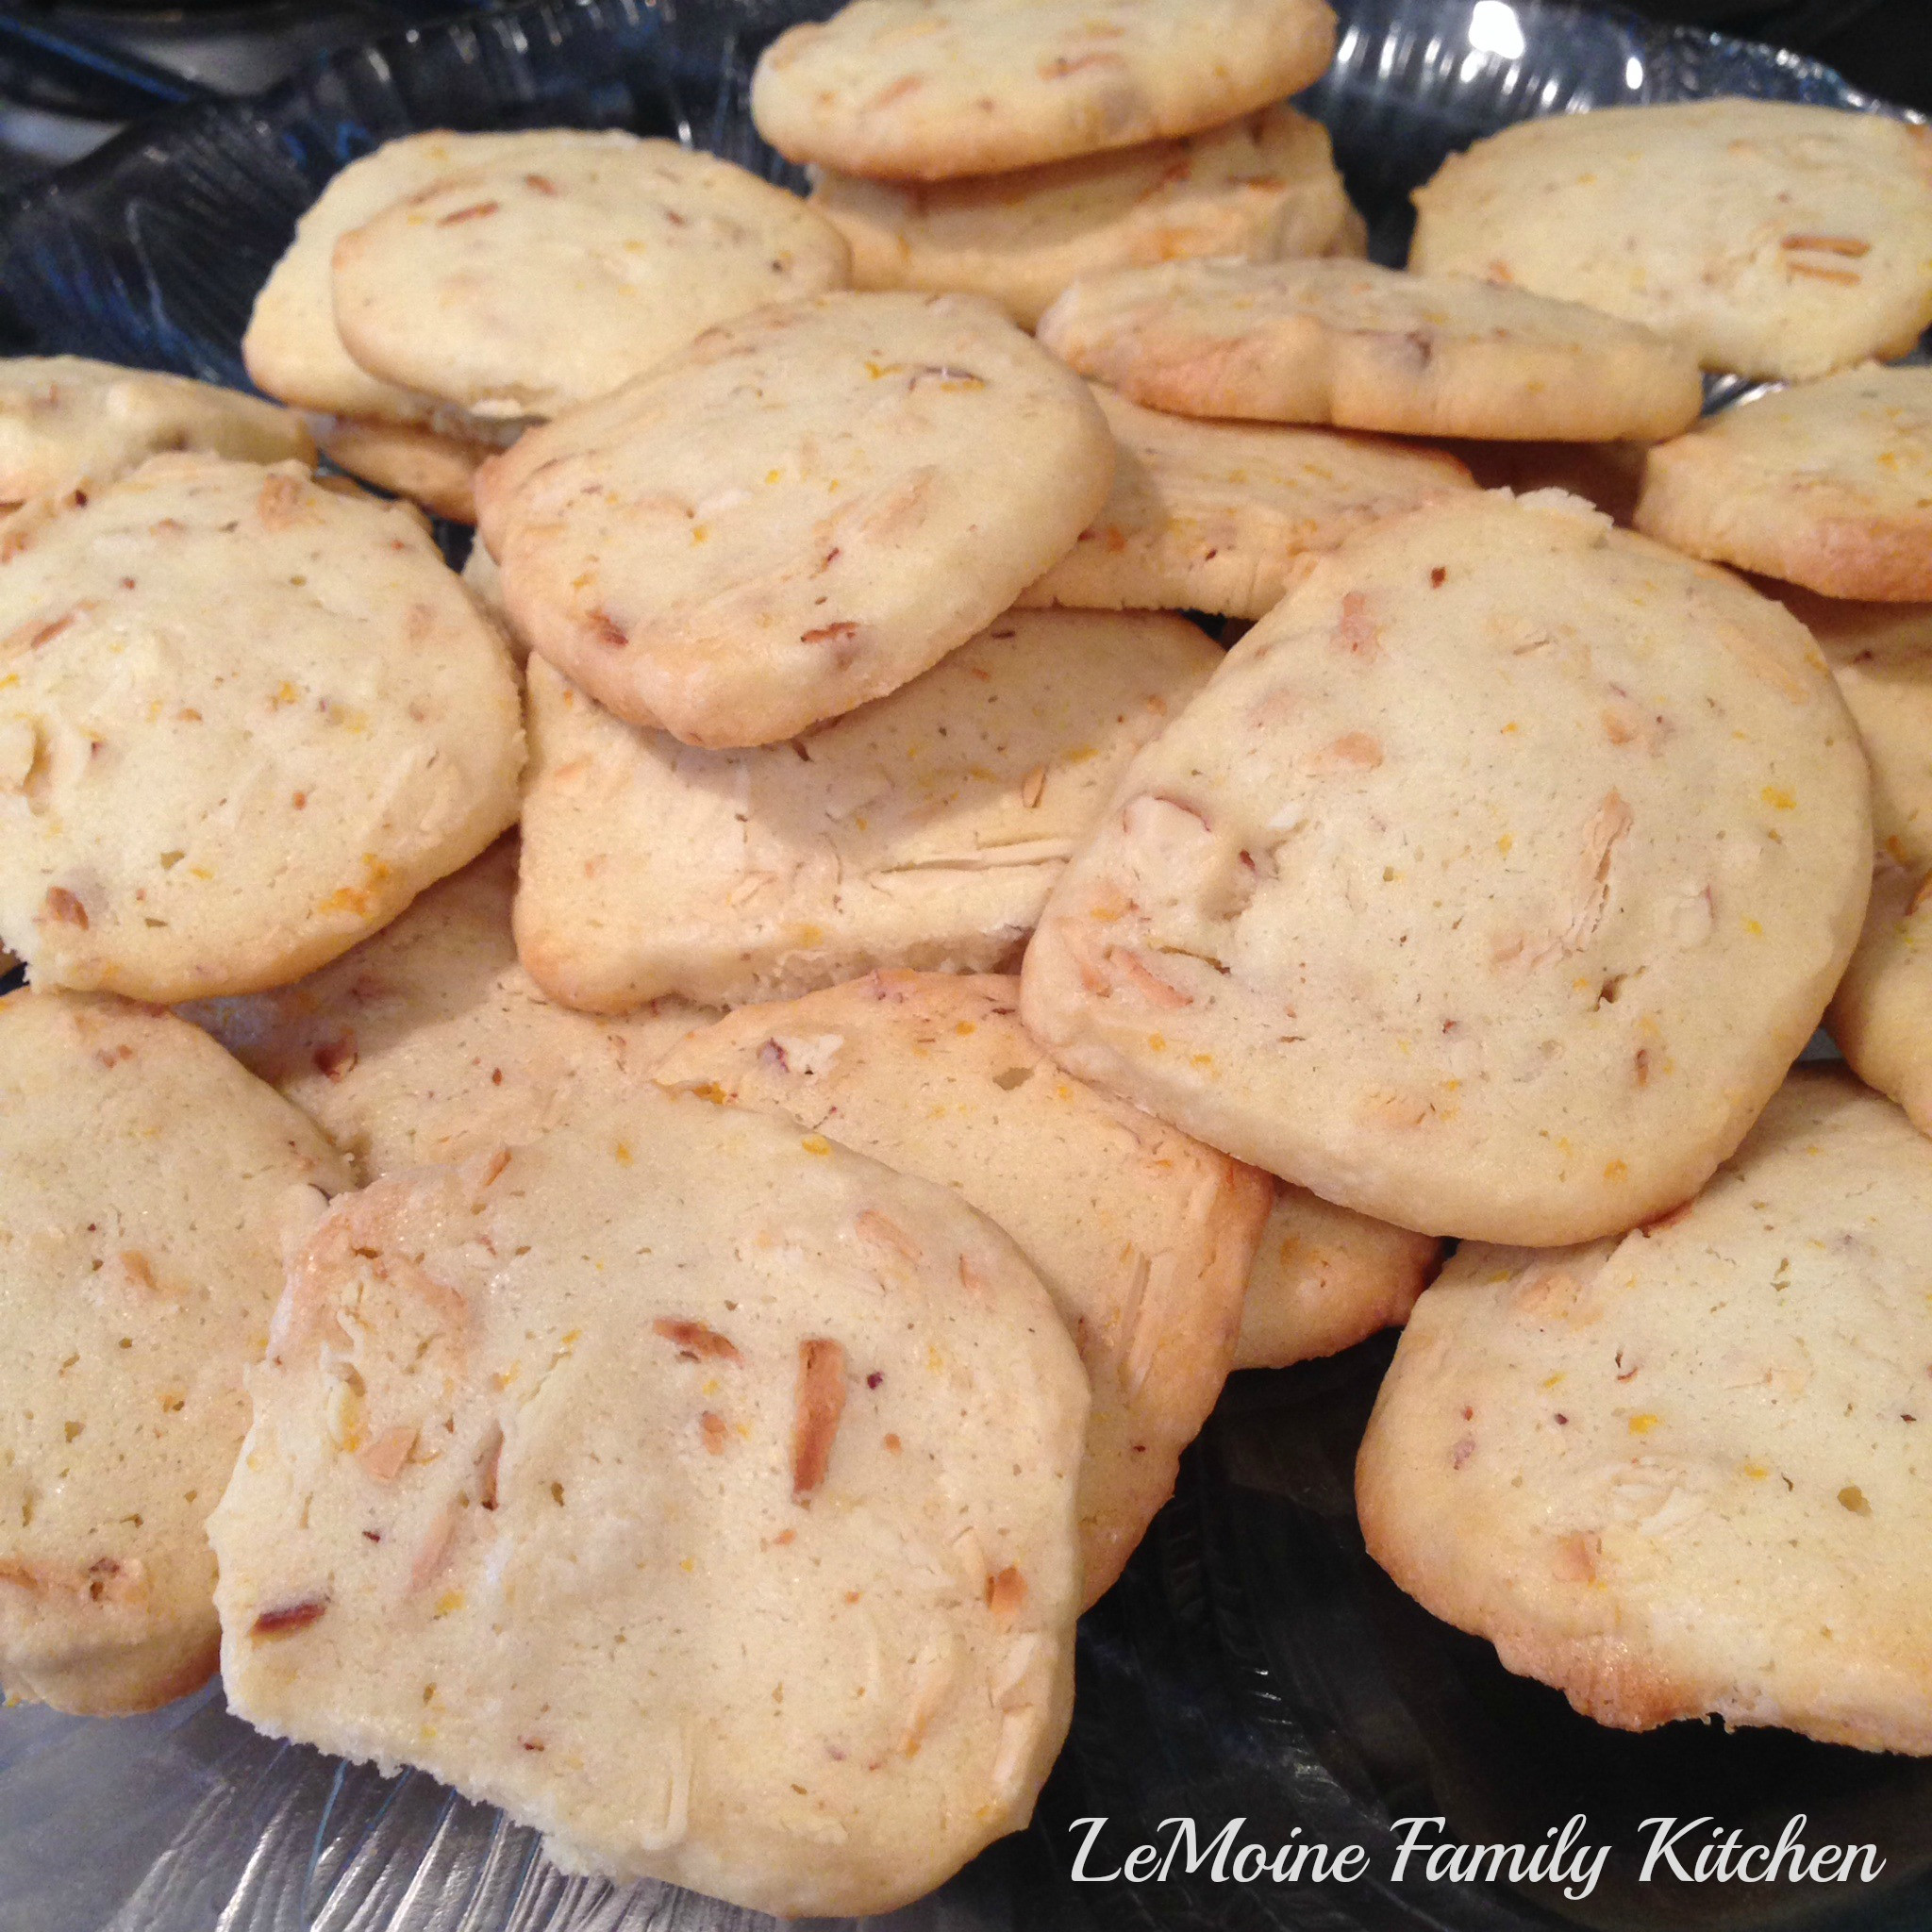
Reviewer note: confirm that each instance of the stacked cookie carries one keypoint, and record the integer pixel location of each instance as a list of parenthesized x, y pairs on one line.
[(1007, 150), (402, 315), (760, 1236)]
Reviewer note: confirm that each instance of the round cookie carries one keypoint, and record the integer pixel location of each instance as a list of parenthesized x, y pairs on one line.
[(1257, 189), (1828, 485), (243, 721), (556, 268), (68, 424), (292, 348), (436, 471), (928, 89), (146, 1184), (924, 830), (1364, 347), (1326, 1278), (1685, 1474), (698, 1492), (429, 1042), (1141, 1236), (1489, 887), (1222, 517), (811, 506), (1804, 246)]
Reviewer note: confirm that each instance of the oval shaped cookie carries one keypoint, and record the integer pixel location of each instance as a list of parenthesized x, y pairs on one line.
[(429, 1042), (1141, 1236), (558, 266), (922, 831), (695, 1490), (146, 1186), (1804, 244), (926, 89), (810, 507), (1828, 485), (1369, 348), (1222, 517), (243, 721), (1489, 887), (1684, 1473), (67, 424), (291, 346), (1259, 188)]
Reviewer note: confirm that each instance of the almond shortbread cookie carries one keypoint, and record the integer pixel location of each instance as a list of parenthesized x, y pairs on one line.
[(1769, 238), (811, 506), (68, 424), (926, 89), (1364, 347), (1325, 1277), (1684, 1472), (1141, 1236), (436, 471), (243, 721), (1223, 517), (146, 1184), (924, 830), (1489, 887), (429, 1043), (1828, 485), (1257, 189), (291, 346), (695, 1490), (559, 267)]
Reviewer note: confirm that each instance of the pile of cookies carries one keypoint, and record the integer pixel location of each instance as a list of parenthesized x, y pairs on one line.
[(624, 1177)]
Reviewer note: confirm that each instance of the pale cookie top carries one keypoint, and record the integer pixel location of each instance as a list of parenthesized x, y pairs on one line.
[(695, 1490), (1223, 517), (1489, 887), (292, 348), (926, 89), (1141, 1236), (67, 424), (549, 273), (1325, 1277), (1261, 186), (922, 831), (1769, 238), (1828, 485), (243, 722), (146, 1184), (1687, 1472), (1881, 656), (809, 507), (1370, 348), (429, 1043)]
